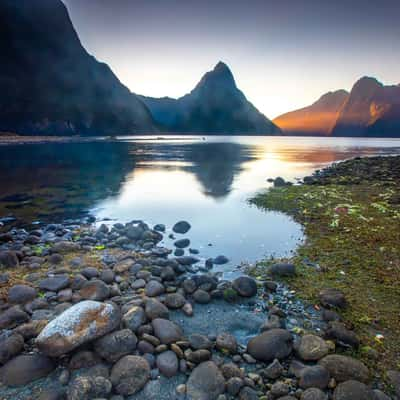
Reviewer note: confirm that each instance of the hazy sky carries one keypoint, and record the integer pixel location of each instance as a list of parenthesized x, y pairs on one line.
[(284, 54)]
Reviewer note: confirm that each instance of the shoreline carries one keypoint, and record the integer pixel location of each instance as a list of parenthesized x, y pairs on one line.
[(250, 338), (9, 140)]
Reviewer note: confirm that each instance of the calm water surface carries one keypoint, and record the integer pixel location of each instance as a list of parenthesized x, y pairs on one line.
[(206, 181)]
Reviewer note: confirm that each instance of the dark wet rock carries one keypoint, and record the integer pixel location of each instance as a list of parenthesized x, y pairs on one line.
[(344, 368), (182, 243), (134, 232), (168, 274), (155, 309), (279, 389), (332, 297), (181, 227), (107, 276), (233, 385), (201, 296), (245, 286), (167, 331), (90, 272), (179, 252), (189, 286), (130, 374), (134, 318), (52, 393), (115, 345), (220, 260), (78, 281), (282, 269), (94, 290), (167, 363), (83, 359), (174, 300), (81, 323), (314, 376), (154, 288), (21, 294), (54, 284), (352, 390), (187, 260), (231, 370), (24, 369), (11, 344), (123, 265), (88, 388), (12, 316), (198, 356), (4, 278), (330, 315), (159, 227), (312, 348), (273, 370), (138, 284), (8, 259), (343, 336), (275, 343), (145, 347), (379, 395), (394, 379), (205, 382), (248, 393), (279, 182), (64, 247), (313, 394), (55, 258), (226, 342), (198, 342)]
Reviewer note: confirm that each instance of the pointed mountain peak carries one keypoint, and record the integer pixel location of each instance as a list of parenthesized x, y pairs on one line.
[(220, 76), (366, 85)]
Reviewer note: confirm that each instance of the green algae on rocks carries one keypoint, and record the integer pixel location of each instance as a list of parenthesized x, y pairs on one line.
[(350, 212)]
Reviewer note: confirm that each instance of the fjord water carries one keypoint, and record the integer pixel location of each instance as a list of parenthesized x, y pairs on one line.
[(204, 180)]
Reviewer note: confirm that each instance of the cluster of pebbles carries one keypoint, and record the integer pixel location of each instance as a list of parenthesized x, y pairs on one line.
[(109, 329)]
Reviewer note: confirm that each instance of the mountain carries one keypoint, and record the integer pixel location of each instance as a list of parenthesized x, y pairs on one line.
[(371, 109), (214, 106), (316, 119), (49, 84)]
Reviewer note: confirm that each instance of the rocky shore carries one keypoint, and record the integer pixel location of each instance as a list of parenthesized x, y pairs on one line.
[(106, 312), (14, 139)]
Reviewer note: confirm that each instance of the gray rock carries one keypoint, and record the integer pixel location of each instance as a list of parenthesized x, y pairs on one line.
[(154, 288), (155, 309), (275, 343), (198, 342), (352, 390), (245, 286), (90, 272), (282, 269), (130, 374), (314, 376), (81, 323), (205, 382), (167, 331), (24, 369), (273, 370), (394, 379), (379, 395), (201, 296), (332, 297), (12, 316), (234, 385), (94, 290), (21, 294), (134, 318), (312, 348), (344, 368), (116, 344), (11, 344), (279, 389), (226, 342), (8, 259), (220, 260), (313, 394), (88, 388), (107, 276), (181, 227), (167, 363), (248, 393), (175, 300), (343, 336), (54, 284)]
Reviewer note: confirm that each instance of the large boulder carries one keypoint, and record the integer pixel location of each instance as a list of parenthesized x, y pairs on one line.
[(167, 331), (344, 368), (24, 369), (275, 343), (116, 344), (353, 390), (81, 323), (206, 382), (130, 374), (245, 286)]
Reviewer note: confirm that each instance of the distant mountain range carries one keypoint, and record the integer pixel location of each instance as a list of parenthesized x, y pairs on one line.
[(215, 105), (370, 109), (49, 84)]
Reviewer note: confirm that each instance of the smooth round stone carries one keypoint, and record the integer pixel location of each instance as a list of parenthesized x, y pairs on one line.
[(352, 390), (167, 331), (181, 227), (201, 296), (21, 294), (312, 348), (167, 363), (314, 376), (174, 300), (344, 368), (245, 286), (154, 288), (182, 243), (226, 342)]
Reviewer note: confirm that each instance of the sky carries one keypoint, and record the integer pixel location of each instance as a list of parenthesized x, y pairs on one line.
[(284, 54)]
